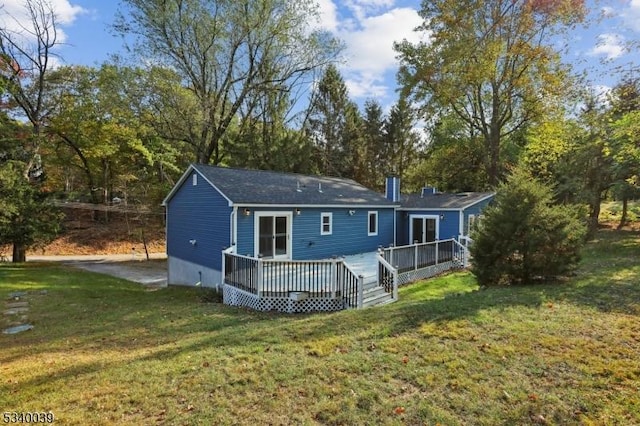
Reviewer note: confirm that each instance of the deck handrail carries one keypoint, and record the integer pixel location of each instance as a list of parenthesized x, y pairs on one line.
[(465, 253), (418, 244), (387, 272), (417, 256), (351, 286)]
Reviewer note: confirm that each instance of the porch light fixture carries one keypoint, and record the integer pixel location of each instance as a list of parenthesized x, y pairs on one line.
[(297, 212), (193, 242), (247, 212), (442, 216), (352, 212)]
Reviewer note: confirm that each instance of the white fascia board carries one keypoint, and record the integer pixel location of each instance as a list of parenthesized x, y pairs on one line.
[(319, 206), (184, 176)]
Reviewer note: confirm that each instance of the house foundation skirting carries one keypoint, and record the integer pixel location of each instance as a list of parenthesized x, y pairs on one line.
[(429, 271), (183, 272), (235, 297)]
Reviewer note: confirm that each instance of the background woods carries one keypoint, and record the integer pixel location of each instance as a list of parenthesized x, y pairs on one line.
[(258, 84)]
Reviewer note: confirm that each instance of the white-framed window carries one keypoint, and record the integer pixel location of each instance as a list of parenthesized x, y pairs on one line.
[(470, 221), (372, 223), (473, 221), (194, 179), (326, 223)]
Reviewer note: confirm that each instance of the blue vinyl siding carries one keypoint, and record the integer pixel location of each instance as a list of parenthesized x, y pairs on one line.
[(349, 233), (198, 213), (476, 209)]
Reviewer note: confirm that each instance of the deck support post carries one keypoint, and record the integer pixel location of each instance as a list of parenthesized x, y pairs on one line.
[(360, 291), (415, 258), (334, 277), (395, 284), (437, 244), (222, 269), (259, 277)]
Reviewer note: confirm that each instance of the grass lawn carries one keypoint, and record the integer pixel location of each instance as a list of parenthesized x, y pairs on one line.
[(106, 351)]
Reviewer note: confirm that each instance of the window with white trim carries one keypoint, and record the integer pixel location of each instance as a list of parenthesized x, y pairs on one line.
[(326, 223), (473, 222), (470, 221), (372, 223)]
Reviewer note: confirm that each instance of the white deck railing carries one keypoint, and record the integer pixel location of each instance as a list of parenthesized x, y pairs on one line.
[(280, 278), (417, 256)]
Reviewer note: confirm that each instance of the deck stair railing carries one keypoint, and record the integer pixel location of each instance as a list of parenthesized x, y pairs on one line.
[(387, 276), (280, 278)]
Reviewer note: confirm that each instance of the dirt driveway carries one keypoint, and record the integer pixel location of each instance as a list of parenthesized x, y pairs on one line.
[(151, 273)]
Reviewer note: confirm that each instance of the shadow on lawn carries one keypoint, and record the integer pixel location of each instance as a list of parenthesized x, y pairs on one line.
[(112, 314)]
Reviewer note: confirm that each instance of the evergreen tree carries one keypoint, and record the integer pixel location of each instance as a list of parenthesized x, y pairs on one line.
[(334, 125), (402, 142), (523, 237), (371, 154), (26, 218)]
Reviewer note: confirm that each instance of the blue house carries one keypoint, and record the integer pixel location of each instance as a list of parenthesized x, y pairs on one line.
[(274, 240), (268, 215)]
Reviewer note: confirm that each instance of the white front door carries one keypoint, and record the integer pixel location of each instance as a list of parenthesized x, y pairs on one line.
[(273, 235)]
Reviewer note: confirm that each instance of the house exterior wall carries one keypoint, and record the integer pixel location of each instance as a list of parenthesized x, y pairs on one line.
[(349, 234), (448, 226), (476, 210), (196, 213)]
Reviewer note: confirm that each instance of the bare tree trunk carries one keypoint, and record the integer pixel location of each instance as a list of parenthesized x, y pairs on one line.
[(19, 253), (625, 208), (594, 215)]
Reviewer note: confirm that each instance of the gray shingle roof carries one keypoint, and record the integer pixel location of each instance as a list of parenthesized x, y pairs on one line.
[(442, 200), (243, 186)]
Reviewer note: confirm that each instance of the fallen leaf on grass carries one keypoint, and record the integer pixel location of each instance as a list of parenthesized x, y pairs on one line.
[(399, 410), (405, 359)]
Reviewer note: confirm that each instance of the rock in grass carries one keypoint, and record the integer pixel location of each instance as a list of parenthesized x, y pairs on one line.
[(17, 329)]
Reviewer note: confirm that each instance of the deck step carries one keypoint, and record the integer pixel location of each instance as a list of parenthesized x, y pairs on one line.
[(377, 299)]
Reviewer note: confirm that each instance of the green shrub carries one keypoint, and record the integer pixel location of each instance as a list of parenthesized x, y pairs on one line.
[(524, 237)]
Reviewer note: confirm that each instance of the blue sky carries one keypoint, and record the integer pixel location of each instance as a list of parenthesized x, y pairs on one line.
[(368, 28)]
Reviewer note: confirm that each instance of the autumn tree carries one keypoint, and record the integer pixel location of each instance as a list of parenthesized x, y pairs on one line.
[(452, 161), (93, 120), (491, 63), (227, 53)]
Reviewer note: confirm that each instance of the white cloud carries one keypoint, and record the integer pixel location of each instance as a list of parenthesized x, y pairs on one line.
[(369, 53), (328, 15), (608, 12), (631, 15), (609, 45), (15, 17)]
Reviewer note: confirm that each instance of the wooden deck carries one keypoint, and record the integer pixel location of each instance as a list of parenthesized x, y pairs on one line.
[(334, 284)]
